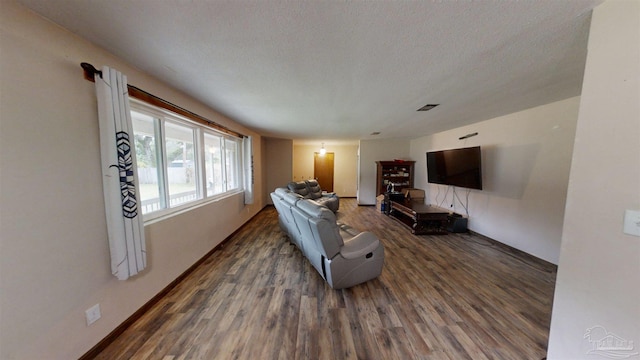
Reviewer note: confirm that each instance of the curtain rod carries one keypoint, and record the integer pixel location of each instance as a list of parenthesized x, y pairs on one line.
[(90, 73)]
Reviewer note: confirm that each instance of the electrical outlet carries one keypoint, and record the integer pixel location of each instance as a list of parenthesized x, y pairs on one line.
[(92, 314)]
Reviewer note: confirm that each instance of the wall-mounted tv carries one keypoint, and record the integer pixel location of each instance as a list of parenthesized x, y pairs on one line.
[(456, 167)]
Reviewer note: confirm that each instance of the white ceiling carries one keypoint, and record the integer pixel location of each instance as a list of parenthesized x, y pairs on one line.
[(340, 70)]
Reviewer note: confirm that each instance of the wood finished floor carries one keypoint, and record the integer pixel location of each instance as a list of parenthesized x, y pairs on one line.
[(458, 296)]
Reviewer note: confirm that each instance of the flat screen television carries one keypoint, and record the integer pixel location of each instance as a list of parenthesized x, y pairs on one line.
[(456, 167)]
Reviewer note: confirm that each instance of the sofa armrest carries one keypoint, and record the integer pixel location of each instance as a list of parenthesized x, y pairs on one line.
[(359, 245), (348, 229)]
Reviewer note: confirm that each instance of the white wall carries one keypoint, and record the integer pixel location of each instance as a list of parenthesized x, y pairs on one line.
[(525, 169), (344, 167), (598, 281), (54, 258), (370, 152), (278, 164)]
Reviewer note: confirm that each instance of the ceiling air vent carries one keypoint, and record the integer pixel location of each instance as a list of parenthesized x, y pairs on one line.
[(428, 107)]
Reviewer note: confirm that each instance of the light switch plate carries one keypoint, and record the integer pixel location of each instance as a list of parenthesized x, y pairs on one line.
[(93, 314), (632, 222)]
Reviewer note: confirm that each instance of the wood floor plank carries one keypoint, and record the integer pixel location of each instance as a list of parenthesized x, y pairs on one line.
[(307, 335), (365, 345), (341, 336), (472, 349), (459, 296)]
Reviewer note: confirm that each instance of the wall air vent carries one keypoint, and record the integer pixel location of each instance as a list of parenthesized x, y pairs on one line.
[(428, 107)]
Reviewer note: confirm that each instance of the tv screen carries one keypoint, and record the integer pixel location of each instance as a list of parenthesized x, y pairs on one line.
[(457, 167)]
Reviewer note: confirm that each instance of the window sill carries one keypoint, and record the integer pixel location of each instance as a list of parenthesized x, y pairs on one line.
[(164, 214)]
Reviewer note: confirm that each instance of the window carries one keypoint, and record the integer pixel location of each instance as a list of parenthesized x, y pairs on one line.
[(181, 167), (181, 163), (213, 164), (149, 160), (231, 163)]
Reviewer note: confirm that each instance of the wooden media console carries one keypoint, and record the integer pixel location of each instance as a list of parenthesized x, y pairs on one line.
[(422, 219)]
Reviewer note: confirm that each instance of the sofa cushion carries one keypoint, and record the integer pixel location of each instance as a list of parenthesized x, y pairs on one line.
[(331, 202), (281, 191), (314, 189), (325, 233), (291, 198), (315, 209), (310, 189), (299, 187)]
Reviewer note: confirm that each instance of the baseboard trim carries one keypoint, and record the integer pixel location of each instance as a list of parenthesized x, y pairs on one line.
[(107, 340)]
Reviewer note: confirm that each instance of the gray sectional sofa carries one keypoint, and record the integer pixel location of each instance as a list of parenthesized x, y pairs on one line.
[(310, 189), (343, 256)]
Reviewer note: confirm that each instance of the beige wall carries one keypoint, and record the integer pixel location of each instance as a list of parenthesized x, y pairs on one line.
[(54, 249), (525, 170), (345, 166), (278, 164), (598, 281)]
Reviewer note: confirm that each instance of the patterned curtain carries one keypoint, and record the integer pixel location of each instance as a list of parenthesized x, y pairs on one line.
[(119, 176)]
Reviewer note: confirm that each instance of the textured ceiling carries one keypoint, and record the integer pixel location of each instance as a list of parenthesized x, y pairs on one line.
[(340, 70)]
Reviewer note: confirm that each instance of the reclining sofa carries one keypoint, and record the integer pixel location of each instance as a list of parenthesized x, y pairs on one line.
[(310, 189), (343, 256)]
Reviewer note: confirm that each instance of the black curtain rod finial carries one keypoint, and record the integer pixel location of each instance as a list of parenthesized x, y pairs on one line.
[(90, 71)]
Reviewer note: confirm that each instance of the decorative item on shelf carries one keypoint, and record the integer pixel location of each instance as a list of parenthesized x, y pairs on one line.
[(391, 187)]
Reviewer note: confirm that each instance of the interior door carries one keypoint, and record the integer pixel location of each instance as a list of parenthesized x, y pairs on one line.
[(323, 170)]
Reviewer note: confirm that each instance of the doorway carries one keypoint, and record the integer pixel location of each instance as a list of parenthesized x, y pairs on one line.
[(323, 170)]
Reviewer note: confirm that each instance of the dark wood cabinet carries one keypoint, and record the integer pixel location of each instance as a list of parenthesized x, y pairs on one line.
[(399, 173), (422, 219)]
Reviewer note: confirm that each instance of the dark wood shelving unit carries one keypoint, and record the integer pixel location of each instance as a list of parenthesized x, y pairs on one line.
[(398, 172)]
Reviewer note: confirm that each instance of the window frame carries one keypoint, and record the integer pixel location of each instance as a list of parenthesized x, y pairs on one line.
[(160, 117)]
